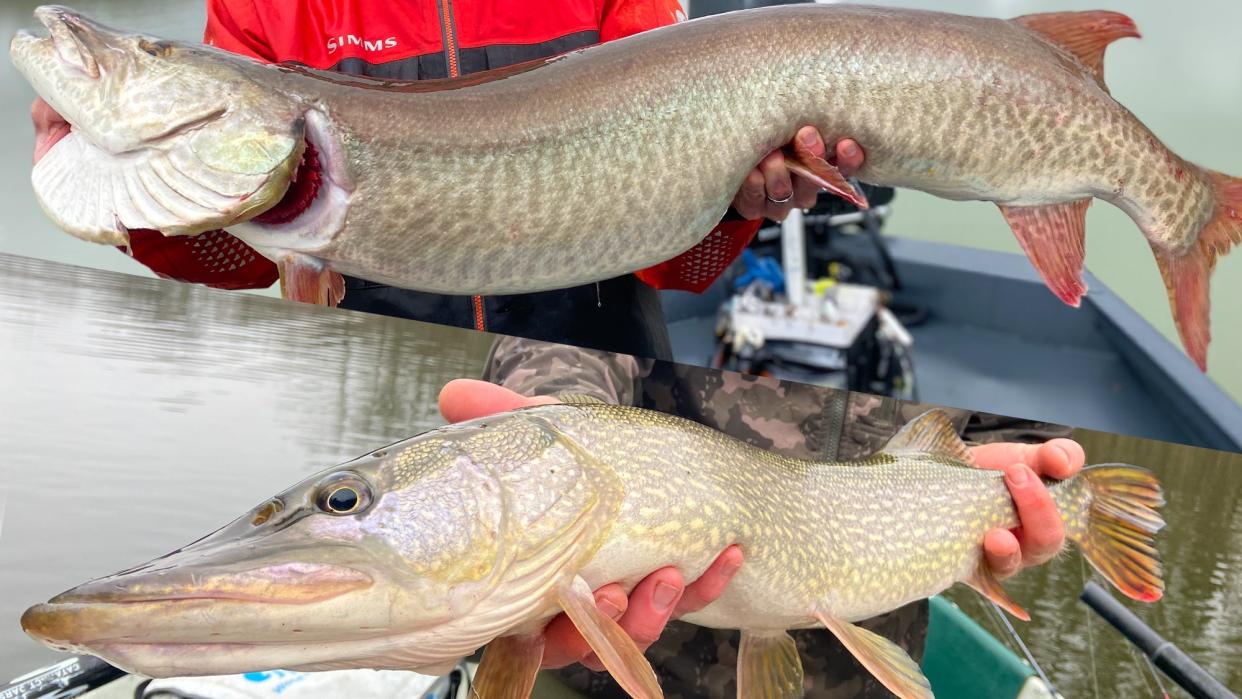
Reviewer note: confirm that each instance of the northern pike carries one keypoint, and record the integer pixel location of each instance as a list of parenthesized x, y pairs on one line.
[(616, 157), (415, 555)]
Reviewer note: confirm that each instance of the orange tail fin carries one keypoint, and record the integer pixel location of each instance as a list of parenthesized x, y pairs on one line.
[(1119, 537), (1186, 275)]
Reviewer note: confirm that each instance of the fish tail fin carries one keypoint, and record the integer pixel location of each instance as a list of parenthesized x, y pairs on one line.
[(1187, 273), (1117, 533)]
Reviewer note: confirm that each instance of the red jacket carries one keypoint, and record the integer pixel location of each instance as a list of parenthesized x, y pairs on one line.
[(416, 39)]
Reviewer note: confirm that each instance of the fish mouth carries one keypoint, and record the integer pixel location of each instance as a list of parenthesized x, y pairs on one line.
[(74, 40), (144, 607)]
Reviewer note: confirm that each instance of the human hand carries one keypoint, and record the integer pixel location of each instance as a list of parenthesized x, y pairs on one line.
[(660, 596), (771, 191), (49, 127), (1040, 535)]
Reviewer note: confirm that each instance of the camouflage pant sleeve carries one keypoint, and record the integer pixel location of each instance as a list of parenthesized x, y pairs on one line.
[(536, 368)]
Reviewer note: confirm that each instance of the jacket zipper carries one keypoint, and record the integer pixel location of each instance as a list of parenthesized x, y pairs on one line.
[(448, 30)]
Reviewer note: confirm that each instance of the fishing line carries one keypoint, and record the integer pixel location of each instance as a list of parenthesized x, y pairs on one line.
[(1082, 581), (1021, 644)]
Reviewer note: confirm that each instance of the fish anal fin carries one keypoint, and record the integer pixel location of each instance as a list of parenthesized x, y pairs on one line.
[(612, 645), (1054, 239), (986, 584), (1084, 34), (892, 666), (509, 667), (768, 666), (930, 433), (802, 162), (305, 279)]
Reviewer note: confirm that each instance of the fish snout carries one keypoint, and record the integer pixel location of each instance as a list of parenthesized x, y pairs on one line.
[(283, 583), (77, 40)]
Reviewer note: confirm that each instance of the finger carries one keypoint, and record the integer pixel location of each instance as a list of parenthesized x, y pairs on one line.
[(563, 644), (1060, 459), (777, 186), (806, 193), (711, 584), (652, 603), (467, 399), (750, 199), (1004, 555), (1041, 533), (810, 138), (1001, 455), (849, 157)]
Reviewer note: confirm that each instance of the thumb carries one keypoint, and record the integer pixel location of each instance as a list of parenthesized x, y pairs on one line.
[(467, 399)]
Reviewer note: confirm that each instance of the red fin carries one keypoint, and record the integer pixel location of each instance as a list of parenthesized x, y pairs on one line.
[(987, 585), (509, 667), (308, 280), (801, 161), (1084, 34), (1053, 238), (1187, 275)]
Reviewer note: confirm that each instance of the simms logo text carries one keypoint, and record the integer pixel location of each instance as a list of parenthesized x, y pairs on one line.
[(338, 42)]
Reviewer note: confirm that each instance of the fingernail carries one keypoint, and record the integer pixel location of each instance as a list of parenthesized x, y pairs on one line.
[(664, 596), (728, 569), (607, 607), (1065, 453), (1018, 476), (810, 138), (849, 150)]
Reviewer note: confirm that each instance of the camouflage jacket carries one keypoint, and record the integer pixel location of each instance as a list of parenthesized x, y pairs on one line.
[(796, 419)]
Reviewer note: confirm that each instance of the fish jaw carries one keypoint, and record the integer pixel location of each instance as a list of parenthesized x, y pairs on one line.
[(152, 145)]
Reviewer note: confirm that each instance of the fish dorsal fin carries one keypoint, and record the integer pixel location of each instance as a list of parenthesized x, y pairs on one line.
[(930, 433), (1083, 34)]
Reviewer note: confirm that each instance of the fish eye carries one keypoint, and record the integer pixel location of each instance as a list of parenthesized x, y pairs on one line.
[(159, 49), (343, 494)]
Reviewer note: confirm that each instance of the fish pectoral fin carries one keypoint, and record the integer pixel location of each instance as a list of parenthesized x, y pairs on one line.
[(892, 666), (305, 279), (986, 584), (1084, 34), (1054, 239), (509, 667), (802, 162), (931, 433), (613, 646), (768, 666)]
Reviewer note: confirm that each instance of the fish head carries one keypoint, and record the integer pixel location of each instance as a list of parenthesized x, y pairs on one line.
[(164, 135), (408, 558)]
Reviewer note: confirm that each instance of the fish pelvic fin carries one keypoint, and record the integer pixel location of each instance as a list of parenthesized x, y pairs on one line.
[(509, 667), (985, 583), (1187, 274), (614, 647), (931, 433), (1085, 35), (768, 666), (305, 279), (892, 666), (1122, 519), (802, 162), (1054, 240)]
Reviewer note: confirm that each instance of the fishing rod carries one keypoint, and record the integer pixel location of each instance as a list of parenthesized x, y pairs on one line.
[(1169, 658)]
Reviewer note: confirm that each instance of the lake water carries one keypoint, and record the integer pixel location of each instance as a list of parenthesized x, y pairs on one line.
[(1184, 79), (139, 414)]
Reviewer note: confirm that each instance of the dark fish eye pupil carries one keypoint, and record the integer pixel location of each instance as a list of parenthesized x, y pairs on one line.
[(343, 499)]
